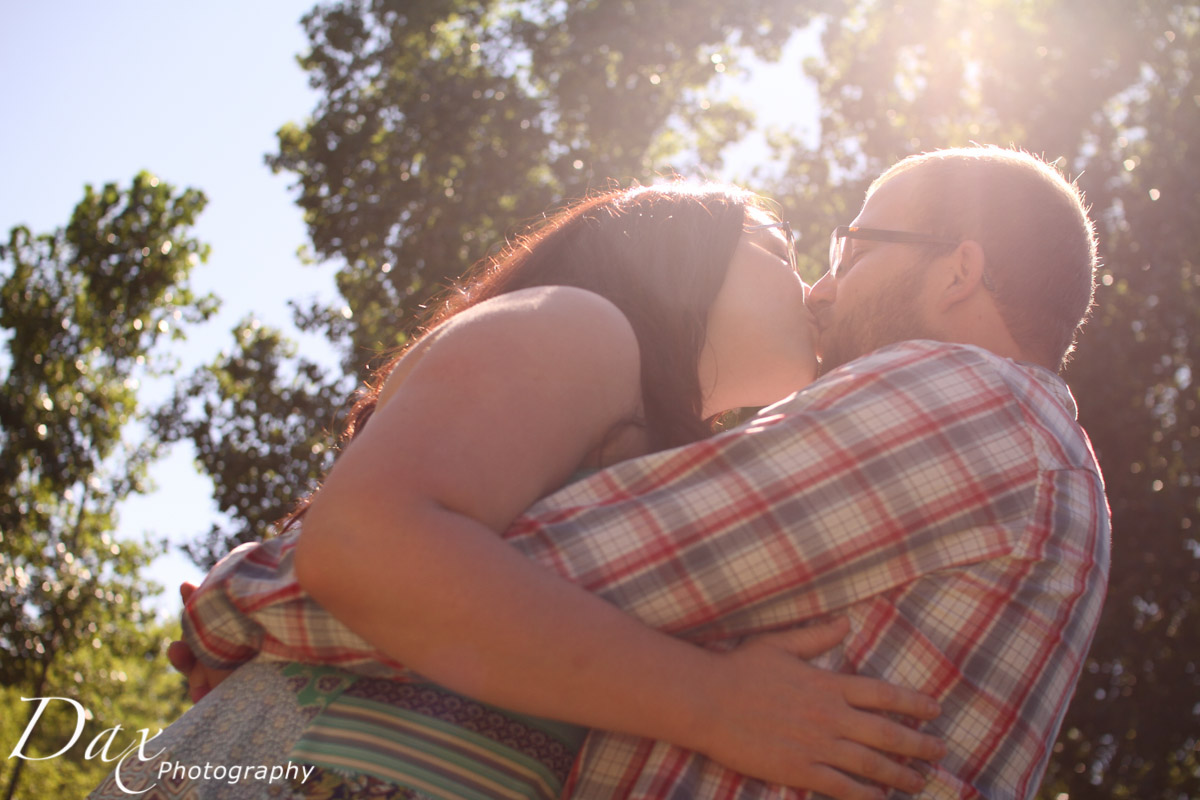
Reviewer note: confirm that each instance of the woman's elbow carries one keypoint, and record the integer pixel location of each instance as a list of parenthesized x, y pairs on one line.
[(339, 547), (317, 559)]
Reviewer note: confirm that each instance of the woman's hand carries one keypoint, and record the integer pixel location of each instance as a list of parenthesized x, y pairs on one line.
[(201, 679), (779, 719)]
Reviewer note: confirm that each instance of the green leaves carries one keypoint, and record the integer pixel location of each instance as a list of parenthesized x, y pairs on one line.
[(262, 424), (443, 124), (84, 310)]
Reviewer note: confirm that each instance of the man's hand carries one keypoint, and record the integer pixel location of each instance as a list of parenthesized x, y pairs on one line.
[(201, 679), (781, 720)]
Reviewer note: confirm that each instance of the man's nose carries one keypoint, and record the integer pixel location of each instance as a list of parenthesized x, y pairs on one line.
[(822, 293)]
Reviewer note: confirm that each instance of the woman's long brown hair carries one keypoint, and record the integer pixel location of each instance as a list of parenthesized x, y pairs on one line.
[(658, 253)]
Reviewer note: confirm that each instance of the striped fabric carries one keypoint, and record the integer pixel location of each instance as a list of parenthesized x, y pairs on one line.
[(942, 498), (436, 742)]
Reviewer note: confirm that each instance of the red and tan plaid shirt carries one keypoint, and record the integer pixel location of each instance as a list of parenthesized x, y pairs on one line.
[(943, 499)]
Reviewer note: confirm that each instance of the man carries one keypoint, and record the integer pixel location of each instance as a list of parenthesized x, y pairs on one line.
[(933, 488)]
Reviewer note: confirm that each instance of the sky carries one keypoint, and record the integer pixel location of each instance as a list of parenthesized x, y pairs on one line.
[(193, 92), (95, 92)]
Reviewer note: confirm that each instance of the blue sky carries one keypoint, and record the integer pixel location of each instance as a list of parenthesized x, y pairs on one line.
[(95, 92)]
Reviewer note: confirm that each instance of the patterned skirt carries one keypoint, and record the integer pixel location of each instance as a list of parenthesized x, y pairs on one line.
[(298, 731)]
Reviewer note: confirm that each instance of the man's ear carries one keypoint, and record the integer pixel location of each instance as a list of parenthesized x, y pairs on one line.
[(962, 274)]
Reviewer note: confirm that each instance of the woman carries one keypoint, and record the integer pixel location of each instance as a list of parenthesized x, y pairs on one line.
[(624, 324)]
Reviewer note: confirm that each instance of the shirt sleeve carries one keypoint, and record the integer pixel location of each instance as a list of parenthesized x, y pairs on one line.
[(250, 606)]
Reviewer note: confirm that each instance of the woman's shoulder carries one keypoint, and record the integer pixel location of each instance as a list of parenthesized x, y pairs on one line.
[(551, 322), (568, 308), (562, 332)]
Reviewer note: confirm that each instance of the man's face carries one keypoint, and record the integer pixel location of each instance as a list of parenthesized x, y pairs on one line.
[(875, 299)]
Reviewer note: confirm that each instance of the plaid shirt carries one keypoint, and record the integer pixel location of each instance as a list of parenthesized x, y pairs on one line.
[(942, 498)]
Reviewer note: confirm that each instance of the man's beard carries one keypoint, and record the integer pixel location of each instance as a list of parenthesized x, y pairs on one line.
[(887, 319)]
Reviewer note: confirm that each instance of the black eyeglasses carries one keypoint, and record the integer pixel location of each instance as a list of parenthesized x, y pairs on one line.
[(837, 241), (787, 234)]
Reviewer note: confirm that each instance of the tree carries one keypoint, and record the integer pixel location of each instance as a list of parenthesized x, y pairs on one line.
[(85, 310), (116, 684), (443, 124), (260, 421)]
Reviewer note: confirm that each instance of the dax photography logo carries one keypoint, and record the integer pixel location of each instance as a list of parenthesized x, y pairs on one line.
[(102, 747)]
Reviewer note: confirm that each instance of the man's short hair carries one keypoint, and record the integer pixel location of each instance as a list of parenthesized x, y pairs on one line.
[(1033, 226)]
